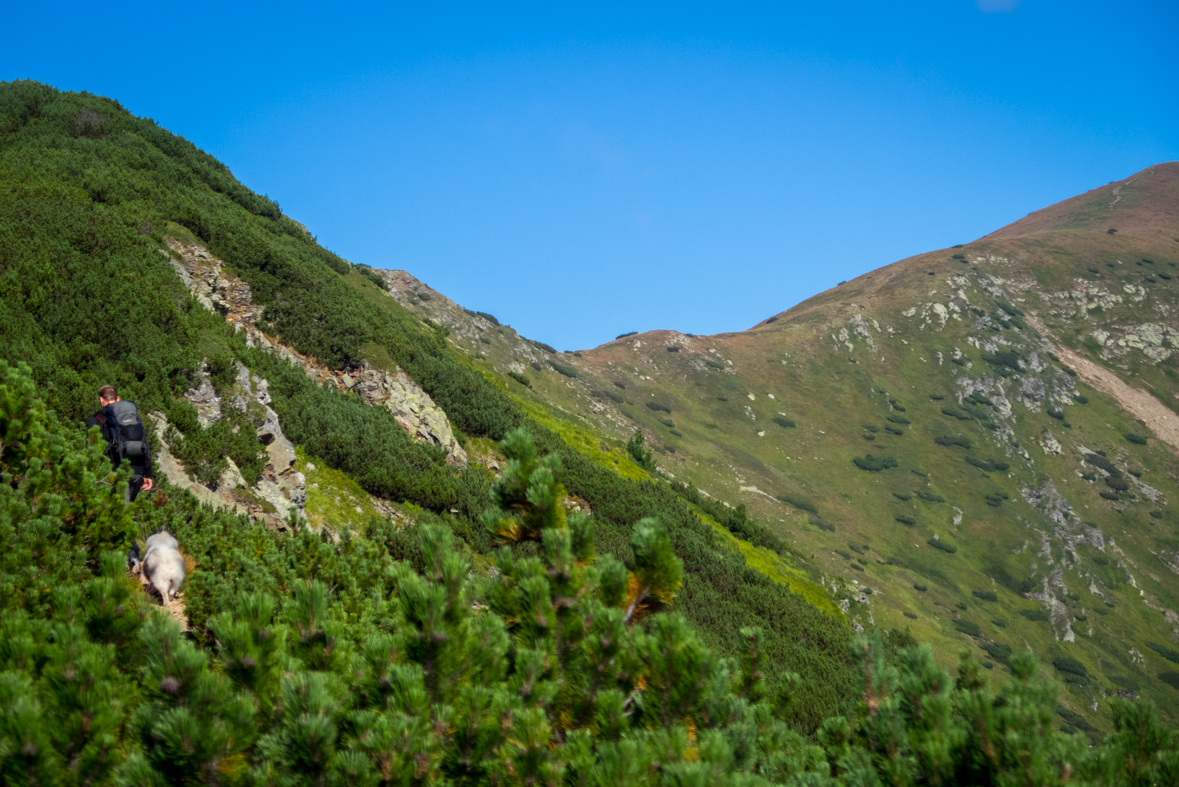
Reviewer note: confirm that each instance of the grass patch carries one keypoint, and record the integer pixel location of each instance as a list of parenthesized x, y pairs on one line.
[(582, 440), (332, 497), (771, 564)]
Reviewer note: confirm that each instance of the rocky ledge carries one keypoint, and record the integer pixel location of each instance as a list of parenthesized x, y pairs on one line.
[(281, 488), (219, 290)]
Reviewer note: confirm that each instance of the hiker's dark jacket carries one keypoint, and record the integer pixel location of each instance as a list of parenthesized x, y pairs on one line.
[(105, 420)]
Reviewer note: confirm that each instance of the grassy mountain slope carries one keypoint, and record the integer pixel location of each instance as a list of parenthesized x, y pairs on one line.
[(999, 500)]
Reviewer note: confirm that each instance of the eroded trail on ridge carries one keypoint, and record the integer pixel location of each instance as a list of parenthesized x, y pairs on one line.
[(1159, 418)]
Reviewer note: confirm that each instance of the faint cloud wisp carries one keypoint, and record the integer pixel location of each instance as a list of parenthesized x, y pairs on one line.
[(996, 6)]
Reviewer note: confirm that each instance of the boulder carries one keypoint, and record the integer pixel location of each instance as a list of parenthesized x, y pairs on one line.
[(411, 407)]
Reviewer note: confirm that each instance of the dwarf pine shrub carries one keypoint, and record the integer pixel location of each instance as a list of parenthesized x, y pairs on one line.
[(874, 464)]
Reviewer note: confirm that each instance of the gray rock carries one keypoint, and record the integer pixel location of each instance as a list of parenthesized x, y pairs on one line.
[(206, 401), (284, 496), (281, 485), (411, 407), (167, 465), (231, 477)]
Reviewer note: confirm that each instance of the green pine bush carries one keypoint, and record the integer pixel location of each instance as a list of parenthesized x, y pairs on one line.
[(874, 464)]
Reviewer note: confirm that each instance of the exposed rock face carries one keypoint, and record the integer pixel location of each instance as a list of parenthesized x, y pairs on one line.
[(1058, 613), (222, 292), (214, 289), (410, 405), (167, 464), (281, 485), (206, 402)]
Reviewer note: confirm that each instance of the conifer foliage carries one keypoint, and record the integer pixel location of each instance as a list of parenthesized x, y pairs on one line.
[(343, 666), (91, 196)]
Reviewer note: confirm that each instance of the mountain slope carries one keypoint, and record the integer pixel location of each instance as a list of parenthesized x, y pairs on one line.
[(920, 432), (1142, 203), (129, 256), (979, 511)]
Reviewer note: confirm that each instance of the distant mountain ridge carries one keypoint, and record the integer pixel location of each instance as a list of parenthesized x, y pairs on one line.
[(1146, 201), (921, 438)]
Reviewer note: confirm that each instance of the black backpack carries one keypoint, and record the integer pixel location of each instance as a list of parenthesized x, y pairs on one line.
[(125, 433)]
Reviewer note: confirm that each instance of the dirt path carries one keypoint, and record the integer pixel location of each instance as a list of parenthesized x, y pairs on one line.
[(176, 609), (1159, 418)]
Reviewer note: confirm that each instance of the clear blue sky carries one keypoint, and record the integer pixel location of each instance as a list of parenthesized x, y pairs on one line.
[(581, 172)]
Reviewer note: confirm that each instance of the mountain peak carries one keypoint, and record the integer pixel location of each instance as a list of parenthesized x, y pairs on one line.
[(1147, 201)]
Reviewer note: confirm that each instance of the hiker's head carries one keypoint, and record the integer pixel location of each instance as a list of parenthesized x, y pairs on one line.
[(107, 395)]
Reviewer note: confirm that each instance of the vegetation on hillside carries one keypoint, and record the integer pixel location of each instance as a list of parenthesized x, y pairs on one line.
[(382, 659), (85, 205), (88, 194)]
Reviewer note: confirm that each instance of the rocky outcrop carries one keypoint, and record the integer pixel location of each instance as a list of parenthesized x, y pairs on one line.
[(167, 465), (214, 288), (410, 405), (206, 402), (232, 491), (281, 486), (219, 290)]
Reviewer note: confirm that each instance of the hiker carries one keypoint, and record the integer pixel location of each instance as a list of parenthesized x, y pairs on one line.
[(126, 438)]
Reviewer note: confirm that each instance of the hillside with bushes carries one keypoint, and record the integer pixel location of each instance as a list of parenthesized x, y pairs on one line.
[(975, 444), (423, 548)]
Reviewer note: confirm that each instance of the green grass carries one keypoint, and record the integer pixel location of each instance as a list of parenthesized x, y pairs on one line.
[(332, 497), (773, 566)]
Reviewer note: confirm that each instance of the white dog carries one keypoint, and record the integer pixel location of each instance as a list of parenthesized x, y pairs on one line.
[(163, 565)]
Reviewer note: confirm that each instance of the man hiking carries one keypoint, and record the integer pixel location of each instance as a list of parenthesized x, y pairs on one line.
[(126, 438)]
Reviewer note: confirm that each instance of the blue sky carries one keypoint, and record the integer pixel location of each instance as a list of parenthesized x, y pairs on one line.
[(584, 171)]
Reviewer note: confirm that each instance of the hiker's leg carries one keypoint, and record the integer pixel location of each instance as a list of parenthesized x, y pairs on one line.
[(134, 486)]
